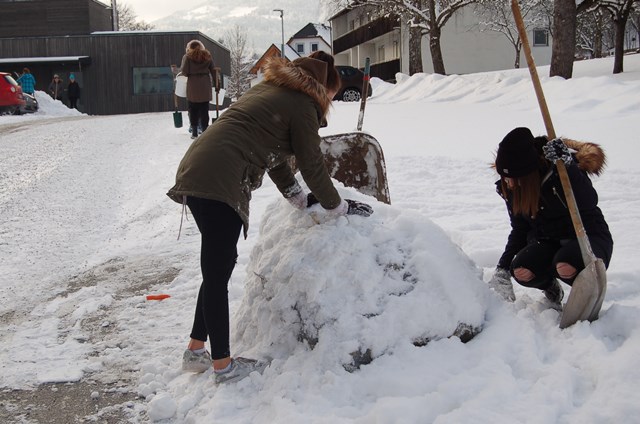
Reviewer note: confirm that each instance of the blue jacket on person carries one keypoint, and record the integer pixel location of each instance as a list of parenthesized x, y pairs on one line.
[(28, 83)]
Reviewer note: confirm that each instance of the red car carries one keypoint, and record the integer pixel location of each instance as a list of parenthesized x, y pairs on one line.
[(12, 100)]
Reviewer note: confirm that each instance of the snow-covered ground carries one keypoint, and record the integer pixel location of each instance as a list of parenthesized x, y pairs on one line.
[(87, 232)]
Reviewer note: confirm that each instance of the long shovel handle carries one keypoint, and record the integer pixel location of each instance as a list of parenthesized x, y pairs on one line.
[(583, 241), (365, 91)]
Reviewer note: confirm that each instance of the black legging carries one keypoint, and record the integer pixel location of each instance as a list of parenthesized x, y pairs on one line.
[(198, 116), (541, 258), (220, 227)]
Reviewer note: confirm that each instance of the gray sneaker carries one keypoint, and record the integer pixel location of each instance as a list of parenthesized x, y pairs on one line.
[(196, 362), (240, 368)]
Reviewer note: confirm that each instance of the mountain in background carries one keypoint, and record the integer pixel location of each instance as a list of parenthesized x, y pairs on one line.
[(215, 18)]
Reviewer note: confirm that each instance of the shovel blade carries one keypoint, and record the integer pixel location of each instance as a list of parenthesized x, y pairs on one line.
[(601, 271), (587, 295), (356, 160)]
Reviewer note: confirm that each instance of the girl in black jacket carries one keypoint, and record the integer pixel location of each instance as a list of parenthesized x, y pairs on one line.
[(542, 245)]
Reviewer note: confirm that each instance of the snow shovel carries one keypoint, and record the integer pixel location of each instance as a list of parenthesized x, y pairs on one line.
[(355, 159), (589, 287)]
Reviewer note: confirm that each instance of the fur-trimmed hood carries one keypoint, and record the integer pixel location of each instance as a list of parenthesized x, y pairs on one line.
[(590, 156), (199, 55), (306, 75), (197, 52)]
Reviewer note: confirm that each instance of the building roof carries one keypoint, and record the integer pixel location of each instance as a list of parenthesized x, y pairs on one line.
[(273, 50), (50, 59), (314, 30)]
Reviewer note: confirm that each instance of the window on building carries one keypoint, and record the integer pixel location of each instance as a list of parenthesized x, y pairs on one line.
[(396, 49), (540, 37), (152, 80), (300, 48), (352, 24), (381, 54), (314, 47)]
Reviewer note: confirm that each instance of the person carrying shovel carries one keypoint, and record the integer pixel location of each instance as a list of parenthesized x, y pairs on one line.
[(542, 245)]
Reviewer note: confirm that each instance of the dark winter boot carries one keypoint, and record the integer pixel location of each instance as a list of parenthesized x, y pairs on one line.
[(554, 292)]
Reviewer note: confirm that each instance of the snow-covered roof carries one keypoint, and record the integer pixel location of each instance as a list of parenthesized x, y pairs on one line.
[(43, 59)]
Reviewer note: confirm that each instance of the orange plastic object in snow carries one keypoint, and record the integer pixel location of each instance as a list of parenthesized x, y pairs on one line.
[(157, 296)]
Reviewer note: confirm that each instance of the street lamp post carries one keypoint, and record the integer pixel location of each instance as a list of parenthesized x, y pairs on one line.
[(282, 20)]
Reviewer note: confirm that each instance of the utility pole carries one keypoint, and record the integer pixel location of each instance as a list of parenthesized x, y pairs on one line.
[(282, 20), (114, 15)]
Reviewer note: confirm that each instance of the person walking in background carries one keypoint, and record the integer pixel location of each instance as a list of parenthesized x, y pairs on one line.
[(73, 92), (542, 245), (55, 88), (27, 81), (197, 66), (275, 120)]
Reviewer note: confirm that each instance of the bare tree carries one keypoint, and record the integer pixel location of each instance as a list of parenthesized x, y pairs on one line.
[(620, 10), (496, 15), (241, 62), (128, 20), (594, 32), (564, 38)]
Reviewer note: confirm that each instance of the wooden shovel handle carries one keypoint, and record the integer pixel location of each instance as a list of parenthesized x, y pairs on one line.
[(583, 241)]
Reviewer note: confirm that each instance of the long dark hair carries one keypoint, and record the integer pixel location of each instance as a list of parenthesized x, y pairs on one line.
[(525, 195)]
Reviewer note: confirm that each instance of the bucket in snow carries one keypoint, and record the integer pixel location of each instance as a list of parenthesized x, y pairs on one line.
[(177, 119), (181, 86)]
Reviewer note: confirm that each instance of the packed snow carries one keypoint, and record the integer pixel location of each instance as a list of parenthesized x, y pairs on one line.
[(87, 232)]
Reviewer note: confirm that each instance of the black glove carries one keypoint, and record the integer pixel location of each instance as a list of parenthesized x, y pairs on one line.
[(556, 150), (358, 208)]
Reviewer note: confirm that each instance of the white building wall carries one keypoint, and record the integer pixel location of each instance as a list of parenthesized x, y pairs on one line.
[(307, 44), (466, 49)]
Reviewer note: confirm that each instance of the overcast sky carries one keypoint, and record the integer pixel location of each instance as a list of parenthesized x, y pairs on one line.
[(149, 10)]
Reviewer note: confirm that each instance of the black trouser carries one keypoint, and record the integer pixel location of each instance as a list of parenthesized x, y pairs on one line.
[(198, 116), (542, 256), (220, 227), (73, 102)]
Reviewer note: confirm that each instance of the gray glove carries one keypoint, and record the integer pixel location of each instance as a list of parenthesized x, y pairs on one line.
[(501, 284), (556, 150)]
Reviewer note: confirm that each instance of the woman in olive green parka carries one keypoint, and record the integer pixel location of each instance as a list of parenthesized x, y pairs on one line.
[(273, 121)]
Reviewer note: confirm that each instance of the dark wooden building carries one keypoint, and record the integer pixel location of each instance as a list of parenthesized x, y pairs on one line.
[(28, 18), (118, 72)]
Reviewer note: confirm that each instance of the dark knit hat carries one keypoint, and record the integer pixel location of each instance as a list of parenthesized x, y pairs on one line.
[(517, 155)]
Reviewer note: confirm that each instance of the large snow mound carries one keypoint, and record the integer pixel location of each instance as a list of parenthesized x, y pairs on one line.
[(354, 288)]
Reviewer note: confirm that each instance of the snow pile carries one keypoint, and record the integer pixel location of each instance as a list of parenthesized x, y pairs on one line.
[(48, 108), (355, 288)]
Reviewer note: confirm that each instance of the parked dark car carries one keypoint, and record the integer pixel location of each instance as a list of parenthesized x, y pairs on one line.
[(351, 87), (12, 100)]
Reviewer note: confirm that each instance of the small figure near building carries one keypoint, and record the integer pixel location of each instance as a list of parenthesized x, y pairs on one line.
[(55, 88), (197, 66), (27, 81), (73, 92)]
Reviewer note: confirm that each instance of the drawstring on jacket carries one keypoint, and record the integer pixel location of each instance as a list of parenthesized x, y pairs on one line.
[(184, 214)]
